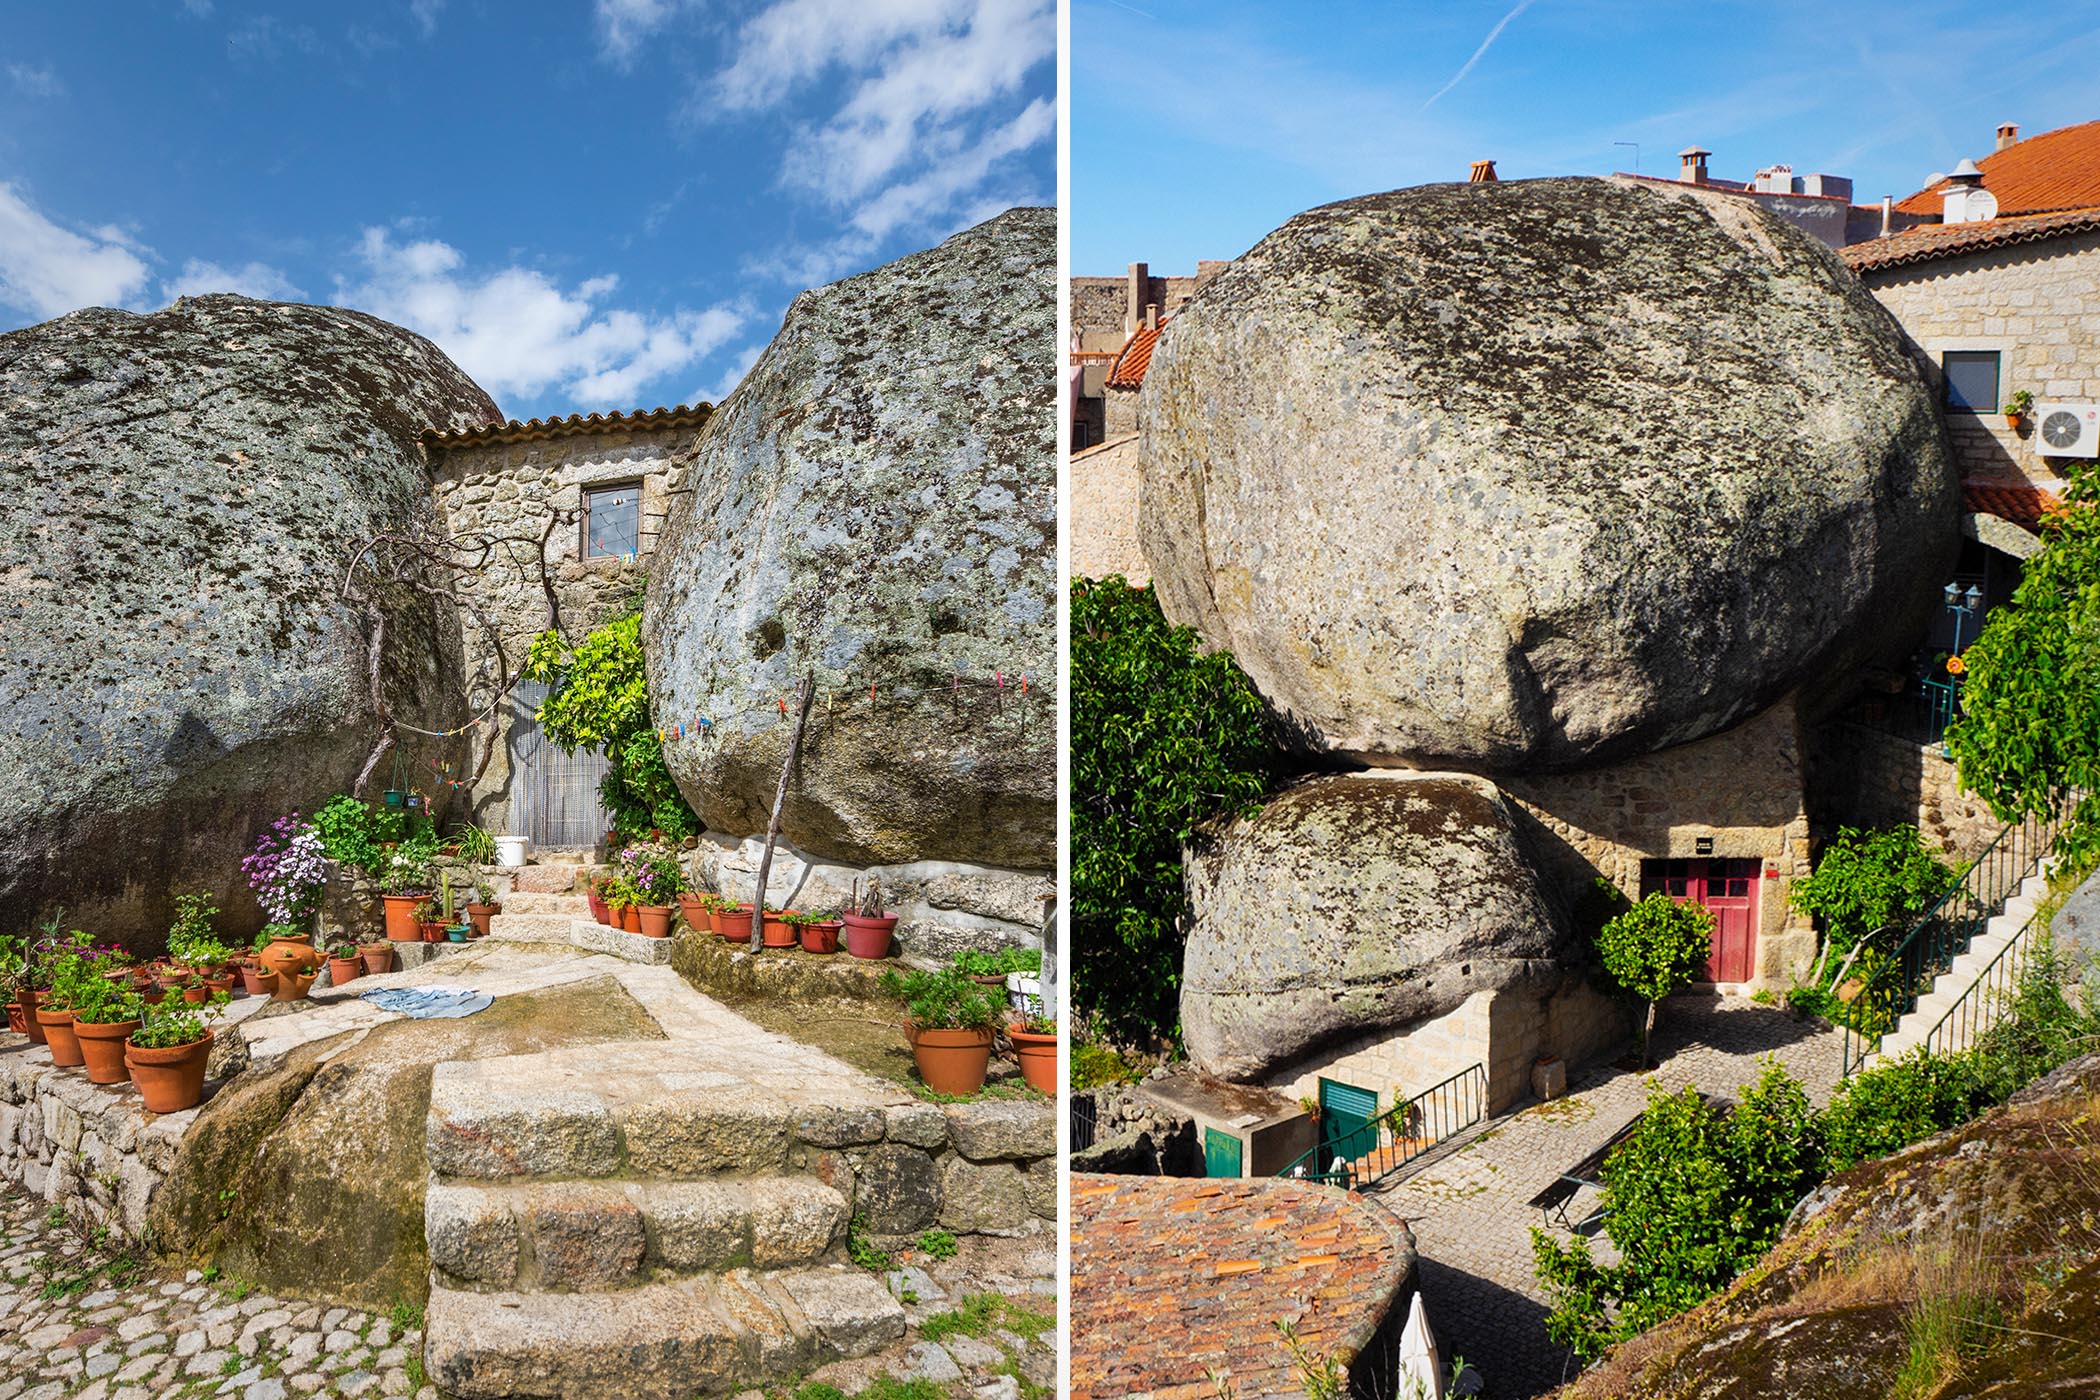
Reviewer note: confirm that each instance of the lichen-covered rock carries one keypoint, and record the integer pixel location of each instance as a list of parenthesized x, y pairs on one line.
[(177, 666), (1534, 474), (1353, 904), (876, 506)]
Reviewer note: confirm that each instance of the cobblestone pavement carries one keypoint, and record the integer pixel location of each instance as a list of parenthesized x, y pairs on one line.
[(78, 1320), (1467, 1207)]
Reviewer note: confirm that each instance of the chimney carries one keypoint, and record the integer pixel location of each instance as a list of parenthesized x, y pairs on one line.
[(1483, 173), (1888, 213), (1965, 200), (1134, 290), (1151, 315), (2008, 133), (1693, 159)]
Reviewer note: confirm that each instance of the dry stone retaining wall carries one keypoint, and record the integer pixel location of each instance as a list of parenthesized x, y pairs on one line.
[(1870, 779), (89, 1149)]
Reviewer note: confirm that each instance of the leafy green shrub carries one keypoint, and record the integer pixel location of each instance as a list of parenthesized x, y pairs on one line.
[(1690, 1198), (946, 1000), (598, 698), (350, 832), (1886, 1109), (1867, 882), (2028, 737), (977, 962), (2041, 1027), (1163, 738), (174, 1022), (1655, 949), (1096, 1066)]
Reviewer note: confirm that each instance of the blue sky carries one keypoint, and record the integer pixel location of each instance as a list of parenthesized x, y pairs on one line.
[(590, 205), (1199, 125)]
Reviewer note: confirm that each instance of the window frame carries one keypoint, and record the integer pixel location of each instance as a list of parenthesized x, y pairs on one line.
[(1972, 353), (590, 490)]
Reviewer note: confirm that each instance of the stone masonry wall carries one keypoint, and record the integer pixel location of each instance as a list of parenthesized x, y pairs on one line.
[(1101, 500), (2038, 305), (88, 1149), (509, 490), (1866, 778), (1742, 790)]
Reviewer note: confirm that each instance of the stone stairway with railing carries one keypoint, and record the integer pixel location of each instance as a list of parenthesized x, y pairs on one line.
[(1958, 983), (651, 1219)]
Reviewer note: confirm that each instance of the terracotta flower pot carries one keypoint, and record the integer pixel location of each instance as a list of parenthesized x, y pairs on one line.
[(734, 924), (869, 937), (25, 1001), (289, 954), (433, 930), (951, 1062), (258, 980), (401, 916), (169, 1080), (1038, 1056), (631, 919), (378, 958), (342, 970), (599, 909), (480, 914), (17, 1018), (293, 983), (821, 937), (779, 933), (197, 995), (655, 920), (58, 1034), (102, 1050)]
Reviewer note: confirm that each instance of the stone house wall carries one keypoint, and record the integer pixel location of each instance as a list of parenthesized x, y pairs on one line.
[(2038, 305), (1866, 778), (1101, 501), (509, 486), (1741, 792)]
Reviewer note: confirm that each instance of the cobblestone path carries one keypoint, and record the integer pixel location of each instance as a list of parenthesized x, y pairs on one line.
[(1467, 1207)]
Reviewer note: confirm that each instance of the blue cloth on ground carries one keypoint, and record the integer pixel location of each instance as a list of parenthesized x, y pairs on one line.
[(429, 1003)]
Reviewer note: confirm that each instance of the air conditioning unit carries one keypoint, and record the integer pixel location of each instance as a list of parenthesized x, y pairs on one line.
[(2067, 429)]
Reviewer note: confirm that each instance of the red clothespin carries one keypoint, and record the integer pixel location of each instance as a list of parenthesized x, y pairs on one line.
[(783, 707), (1024, 682), (871, 695)]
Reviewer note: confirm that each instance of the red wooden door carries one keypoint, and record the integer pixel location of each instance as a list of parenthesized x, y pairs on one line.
[(1728, 890)]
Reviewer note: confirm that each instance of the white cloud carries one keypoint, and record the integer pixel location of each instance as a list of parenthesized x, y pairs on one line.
[(34, 81), (517, 331), (623, 24), (255, 279), (425, 14), (47, 270), (733, 374), (199, 9), (267, 38)]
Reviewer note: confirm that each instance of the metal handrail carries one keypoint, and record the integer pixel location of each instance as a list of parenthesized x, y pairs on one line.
[(1399, 1135), (1966, 1020), (1945, 931)]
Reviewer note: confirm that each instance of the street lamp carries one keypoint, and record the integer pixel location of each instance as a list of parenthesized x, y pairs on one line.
[(1961, 603)]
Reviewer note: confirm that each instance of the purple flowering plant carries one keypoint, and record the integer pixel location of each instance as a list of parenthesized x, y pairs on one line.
[(288, 869), (652, 871)]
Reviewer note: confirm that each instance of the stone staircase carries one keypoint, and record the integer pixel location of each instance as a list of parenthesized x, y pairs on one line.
[(650, 1219), (531, 916), (1948, 989)]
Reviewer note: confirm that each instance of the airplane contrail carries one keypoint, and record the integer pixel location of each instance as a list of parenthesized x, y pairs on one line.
[(1493, 34)]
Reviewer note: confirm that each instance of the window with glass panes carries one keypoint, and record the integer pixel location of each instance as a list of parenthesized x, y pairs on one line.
[(1972, 379), (612, 521)]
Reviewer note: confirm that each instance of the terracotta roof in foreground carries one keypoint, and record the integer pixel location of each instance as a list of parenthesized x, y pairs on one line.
[(1175, 1278), (1128, 372), (2057, 169), (2025, 506), (1929, 241), (683, 416)]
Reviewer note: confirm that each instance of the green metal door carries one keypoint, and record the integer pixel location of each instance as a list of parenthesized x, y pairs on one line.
[(1221, 1153), (1344, 1111)]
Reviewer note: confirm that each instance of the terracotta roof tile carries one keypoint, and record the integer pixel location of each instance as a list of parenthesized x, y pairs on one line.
[(1128, 372), (2025, 506), (1929, 241), (683, 416), (1175, 1278), (2058, 169)]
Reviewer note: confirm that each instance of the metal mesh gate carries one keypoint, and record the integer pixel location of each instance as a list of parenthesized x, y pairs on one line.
[(554, 800)]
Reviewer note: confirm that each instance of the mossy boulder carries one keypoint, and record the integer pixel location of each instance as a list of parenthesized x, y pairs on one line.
[(1353, 904), (1539, 474), (177, 663), (875, 508)]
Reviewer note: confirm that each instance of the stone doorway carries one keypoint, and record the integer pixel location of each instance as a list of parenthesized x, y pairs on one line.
[(554, 796)]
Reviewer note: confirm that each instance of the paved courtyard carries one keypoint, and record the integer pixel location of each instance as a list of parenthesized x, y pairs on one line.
[(1467, 1207)]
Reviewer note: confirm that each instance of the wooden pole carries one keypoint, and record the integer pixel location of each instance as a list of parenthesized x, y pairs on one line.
[(805, 691)]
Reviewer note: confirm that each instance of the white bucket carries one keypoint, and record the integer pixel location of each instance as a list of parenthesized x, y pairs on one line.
[(1024, 992), (510, 850)]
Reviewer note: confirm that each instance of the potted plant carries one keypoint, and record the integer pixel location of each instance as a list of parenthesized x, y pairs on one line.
[(104, 1016), (257, 979), (17, 966), (404, 884), (733, 921), (377, 957), (2017, 408), (69, 968), (986, 968), (428, 924), (166, 1056), (288, 870), (653, 876), (620, 901), (483, 908), (290, 960), (477, 847), (594, 892), (950, 1022), (819, 930), (778, 932), (343, 964), (1034, 1039), (868, 927), (693, 906)]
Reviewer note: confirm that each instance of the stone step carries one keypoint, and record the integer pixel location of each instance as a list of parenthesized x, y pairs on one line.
[(567, 904), (585, 933), (672, 1340), (592, 1235)]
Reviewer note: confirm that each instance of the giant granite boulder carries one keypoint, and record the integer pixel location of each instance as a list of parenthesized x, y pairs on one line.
[(177, 666), (1353, 904), (876, 507), (1535, 474)]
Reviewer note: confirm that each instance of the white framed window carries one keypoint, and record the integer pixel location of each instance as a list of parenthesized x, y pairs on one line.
[(1972, 379), (612, 521)]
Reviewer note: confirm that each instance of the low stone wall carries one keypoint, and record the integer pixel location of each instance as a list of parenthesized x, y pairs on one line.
[(93, 1151), (985, 1168), (720, 968), (1134, 1137), (1867, 778)]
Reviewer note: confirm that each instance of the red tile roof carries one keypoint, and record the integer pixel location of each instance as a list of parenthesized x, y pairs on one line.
[(1175, 1278), (683, 416), (2024, 506), (1128, 372), (1929, 241), (2058, 169)]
